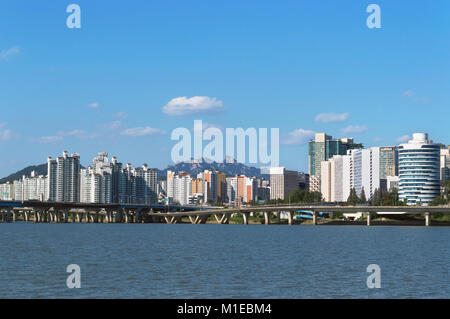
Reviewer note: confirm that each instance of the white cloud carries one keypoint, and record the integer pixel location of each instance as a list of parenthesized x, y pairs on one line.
[(332, 117), (298, 137), (94, 105), (197, 104), (50, 139), (355, 129), (121, 115), (5, 134), (110, 126), (142, 131), (6, 54), (76, 133), (410, 94), (404, 138)]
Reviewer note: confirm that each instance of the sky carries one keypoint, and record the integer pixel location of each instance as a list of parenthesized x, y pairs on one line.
[(136, 70)]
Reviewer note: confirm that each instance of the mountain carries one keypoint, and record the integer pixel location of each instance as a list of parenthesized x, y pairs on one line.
[(230, 169), (40, 170), (194, 167)]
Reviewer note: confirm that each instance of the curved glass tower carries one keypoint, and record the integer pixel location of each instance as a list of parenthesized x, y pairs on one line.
[(419, 173)]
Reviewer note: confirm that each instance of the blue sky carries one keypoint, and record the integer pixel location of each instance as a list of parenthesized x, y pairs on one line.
[(266, 63)]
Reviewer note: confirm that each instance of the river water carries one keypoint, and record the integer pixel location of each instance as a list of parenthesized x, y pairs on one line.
[(223, 261)]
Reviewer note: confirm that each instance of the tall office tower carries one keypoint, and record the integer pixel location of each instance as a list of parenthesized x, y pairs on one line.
[(212, 185), (445, 164), (221, 187), (321, 149), (388, 161), (64, 178), (282, 182), (364, 171), (146, 185), (303, 181), (335, 182), (419, 173)]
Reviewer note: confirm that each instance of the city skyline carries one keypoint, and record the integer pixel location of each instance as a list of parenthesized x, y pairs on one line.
[(319, 67)]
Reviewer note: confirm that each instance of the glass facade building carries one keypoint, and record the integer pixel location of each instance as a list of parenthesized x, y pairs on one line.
[(419, 170)]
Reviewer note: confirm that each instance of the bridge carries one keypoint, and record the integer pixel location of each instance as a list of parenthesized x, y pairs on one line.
[(55, 212)]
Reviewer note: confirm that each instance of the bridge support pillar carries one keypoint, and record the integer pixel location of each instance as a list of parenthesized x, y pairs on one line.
[(66, 216), (427, 219), (198, 219), (25, 216), (118, 216), (314, 216), (266, 218), (279, 217), (245, 217), (369, 217), (290, 218), (224, 218)]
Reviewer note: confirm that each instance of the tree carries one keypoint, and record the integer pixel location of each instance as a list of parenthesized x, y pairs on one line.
[(362, 197), (444, 198), (352, 199)]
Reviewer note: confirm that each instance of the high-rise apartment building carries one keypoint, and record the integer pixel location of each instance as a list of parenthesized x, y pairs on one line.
[(335, 181), (146, 180), (179, 187), (419, 173), (64, 178)]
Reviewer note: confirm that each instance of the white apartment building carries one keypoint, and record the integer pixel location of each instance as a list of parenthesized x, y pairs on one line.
[(64, 178), (445, 164), (359, 169), (179, 187), (335, 184)]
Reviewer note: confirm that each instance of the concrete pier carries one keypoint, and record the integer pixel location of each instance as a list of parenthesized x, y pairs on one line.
[(290, 218), (314, 216), (245, 217), (266, 218), (427, 219), (368, 218)]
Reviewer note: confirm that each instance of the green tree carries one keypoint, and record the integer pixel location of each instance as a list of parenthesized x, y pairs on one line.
[(362, 197), (352, 199)]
